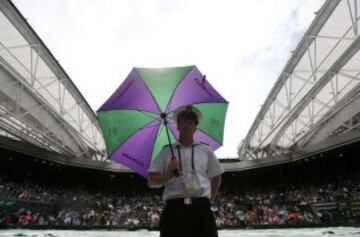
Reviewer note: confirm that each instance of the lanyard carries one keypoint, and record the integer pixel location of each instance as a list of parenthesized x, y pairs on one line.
[(192, 157)]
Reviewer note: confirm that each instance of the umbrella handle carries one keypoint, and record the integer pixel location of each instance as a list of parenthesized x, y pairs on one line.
[(163, 116)]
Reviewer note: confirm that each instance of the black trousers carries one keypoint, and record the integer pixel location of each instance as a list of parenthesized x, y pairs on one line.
[(180, 220)]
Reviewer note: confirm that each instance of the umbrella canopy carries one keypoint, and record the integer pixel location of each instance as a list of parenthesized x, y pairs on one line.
[(132, 119)]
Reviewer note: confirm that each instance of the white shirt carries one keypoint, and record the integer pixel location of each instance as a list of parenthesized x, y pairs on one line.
[(206, 166)]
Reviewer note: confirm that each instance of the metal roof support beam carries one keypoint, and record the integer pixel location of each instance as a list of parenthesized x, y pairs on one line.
[(61, 92), (314, 29), (353, 14), (345, 109), (26, 123), (10, 11), (28, 101), (335, 68), (39, 73)]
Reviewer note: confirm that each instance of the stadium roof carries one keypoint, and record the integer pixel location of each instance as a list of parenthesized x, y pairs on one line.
[(38, 101), (316, 95)]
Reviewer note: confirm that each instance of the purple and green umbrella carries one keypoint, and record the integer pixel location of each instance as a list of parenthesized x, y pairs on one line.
[(133, 119)]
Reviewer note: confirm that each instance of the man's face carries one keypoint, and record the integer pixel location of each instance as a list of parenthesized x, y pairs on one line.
[(186, 126)]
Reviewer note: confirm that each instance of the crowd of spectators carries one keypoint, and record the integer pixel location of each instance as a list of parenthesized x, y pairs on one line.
[(234, 207)]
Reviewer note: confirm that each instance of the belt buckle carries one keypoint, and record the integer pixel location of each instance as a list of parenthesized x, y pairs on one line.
[(187, 201)]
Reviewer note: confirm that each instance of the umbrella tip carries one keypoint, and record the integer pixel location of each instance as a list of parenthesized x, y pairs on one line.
[(163, 115)]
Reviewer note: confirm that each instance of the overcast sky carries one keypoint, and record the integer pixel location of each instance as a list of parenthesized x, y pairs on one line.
[(241, 46)]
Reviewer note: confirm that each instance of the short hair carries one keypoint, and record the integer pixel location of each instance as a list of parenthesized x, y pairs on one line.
[(188, 115)]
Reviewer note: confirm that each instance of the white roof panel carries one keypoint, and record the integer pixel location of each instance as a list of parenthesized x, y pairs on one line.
[(26, 58), (321, 72)]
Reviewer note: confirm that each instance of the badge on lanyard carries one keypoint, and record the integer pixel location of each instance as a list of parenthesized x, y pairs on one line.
[(188, 183)]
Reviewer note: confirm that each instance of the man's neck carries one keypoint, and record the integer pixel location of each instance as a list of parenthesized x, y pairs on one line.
[(186, 141)]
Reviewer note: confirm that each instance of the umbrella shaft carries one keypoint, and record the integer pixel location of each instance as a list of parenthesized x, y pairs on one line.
[(176, 172)]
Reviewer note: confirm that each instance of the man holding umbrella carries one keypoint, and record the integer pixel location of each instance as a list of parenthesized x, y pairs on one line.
[(191, 180)]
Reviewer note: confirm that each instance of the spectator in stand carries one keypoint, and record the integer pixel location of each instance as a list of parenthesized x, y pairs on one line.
[(250, 216)]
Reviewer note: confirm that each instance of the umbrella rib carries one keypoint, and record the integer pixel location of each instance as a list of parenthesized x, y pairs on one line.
[(158, 132), (148, 115), (151, 94), (209, 136), (150, 126), (172, 94)]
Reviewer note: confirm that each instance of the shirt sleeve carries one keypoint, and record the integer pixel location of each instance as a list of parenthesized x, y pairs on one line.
[(214, 167), (159, 164)]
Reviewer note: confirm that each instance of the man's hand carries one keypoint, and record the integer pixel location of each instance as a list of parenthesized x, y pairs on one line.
[(173, 167), (157, 179), (215, 185)]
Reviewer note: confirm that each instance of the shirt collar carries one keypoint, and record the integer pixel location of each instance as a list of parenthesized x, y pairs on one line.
[(181, 145)]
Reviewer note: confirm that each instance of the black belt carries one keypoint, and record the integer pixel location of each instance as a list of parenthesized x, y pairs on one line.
[(188, 201)]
